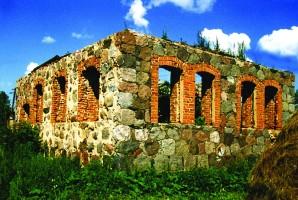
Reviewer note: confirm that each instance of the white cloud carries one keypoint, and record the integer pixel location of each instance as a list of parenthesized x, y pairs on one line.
[(198, 6), (227, 42), (81, 35), (282, 42), (48, 40), (137, 13), (138, 9), (30, 67)]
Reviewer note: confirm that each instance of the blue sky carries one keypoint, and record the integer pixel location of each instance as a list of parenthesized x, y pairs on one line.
[(32, 31)]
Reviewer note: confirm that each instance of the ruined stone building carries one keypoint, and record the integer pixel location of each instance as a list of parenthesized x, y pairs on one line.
[(104, 100)]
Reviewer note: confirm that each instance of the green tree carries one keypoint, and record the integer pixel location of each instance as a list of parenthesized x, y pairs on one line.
[(4, 109), (241, 51), (216, 46), (165, 35)]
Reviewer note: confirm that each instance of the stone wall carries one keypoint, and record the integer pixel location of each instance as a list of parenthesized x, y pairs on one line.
[(103, 100)]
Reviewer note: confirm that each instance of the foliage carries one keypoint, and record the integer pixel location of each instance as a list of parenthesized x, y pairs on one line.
[(199, 121), (4, 108), (202, 42), (216, 46), (241, 51), (165, 35), (26, 173)]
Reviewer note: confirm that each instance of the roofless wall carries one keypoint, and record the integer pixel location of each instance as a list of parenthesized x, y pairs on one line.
[(106, 99)]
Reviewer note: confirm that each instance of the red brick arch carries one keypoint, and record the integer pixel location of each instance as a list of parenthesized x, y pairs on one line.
[(211, 101), (176, 111), (24, 115), (88, 103), (59, 97), (37, 101), (256, 102), (273, 110)]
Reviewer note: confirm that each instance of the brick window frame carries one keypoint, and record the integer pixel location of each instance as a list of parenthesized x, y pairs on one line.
[(176, 108), (258, 101), (277, 106), (88, 104), (59, 97), (214, 117), (37, 101), (25, 112)]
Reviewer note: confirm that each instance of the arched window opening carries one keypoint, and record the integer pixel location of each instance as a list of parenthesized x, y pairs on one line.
[(38, 103), (88, 94), (169, 94), (91, 75), (204, 100), (25, 112), (59, 100), (271, 108), (248, 105)]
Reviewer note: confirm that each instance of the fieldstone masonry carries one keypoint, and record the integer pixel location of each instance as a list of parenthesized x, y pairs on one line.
[(103, 100)]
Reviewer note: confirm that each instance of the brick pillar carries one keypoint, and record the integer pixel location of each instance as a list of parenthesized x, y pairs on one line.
[(175, 96), (260, 107), (247, 114), (216, 102), (188, 95), (206, 102), (270, 114), (154, 92), (279, 109)]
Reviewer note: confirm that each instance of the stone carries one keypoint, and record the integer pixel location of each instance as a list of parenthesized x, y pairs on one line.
[(227, 107), (186, 134), (127, 147), (235, 70), (142, 77), (260, 75), (141, 134), (142, 163), (190, 162), (247, 150), (167, 147), (201, 148), (193, 146), (194, 59), (214, 137), (285, 106), (144, 92), (128, 87), (235, 148), (258, 149), (200, 136), (182, 54), (125, 100), (151, 147), (121, 133), (228, 130), (173, 134), (145, 53), (261, 140), (126, 60), (161, 163), (108, 99), (202, 161), (158, 49), (157, 133), (127, 116), (292, 108), (231, 79), (128, 74), (224, 96), (285, 116), (105, 133), (209, 147), (250, 140), (182, 148), (175, 163)]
